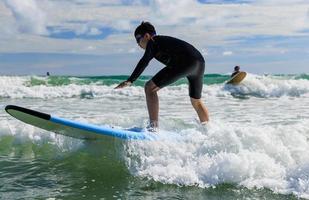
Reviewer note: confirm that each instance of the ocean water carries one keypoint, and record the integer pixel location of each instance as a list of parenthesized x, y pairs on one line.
[(255, 146)]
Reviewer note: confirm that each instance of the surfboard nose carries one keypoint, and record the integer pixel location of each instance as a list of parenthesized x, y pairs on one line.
[(10, 108)]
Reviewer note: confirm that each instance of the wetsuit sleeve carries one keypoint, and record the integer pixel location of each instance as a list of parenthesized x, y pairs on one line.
[(143, 62), (234, 73)]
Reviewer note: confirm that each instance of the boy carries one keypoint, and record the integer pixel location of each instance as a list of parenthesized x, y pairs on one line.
[(181, 60), (236, 71)]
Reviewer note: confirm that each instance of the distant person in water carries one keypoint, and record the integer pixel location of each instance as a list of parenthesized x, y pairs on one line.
[(236, 71), (180, 58), (47, 74)]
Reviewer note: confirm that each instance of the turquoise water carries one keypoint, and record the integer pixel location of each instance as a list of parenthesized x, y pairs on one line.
[(209, 79), (110, 80), (43, 171), (255, 146)]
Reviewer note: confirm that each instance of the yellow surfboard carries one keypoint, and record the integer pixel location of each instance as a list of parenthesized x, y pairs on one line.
[(236, 79)]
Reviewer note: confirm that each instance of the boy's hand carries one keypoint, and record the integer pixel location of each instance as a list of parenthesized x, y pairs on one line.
[(123, 84)]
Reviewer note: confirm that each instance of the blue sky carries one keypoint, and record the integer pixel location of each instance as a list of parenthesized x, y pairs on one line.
[(95, 37)]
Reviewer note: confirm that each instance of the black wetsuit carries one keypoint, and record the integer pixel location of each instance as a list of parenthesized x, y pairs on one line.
[(234, 73), (181, 60)]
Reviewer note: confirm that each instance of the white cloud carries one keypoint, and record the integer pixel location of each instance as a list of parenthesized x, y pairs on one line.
[(209, 27), (132, 50), (279, 2), (204, 25), (91, 48), (87, 29), (174, 11), (227, 53), (29, 17), (204, 52), (94, 31)]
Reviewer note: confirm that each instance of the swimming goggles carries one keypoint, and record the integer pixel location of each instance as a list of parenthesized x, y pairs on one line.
[(138, 38)]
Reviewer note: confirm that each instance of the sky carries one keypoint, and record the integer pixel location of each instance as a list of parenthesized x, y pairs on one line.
[(95, 37)]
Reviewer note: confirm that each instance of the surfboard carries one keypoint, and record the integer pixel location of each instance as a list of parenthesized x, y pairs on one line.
[(73, 128), (236, 79)]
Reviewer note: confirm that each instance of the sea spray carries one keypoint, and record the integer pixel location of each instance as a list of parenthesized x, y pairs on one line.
[(100, 87), (254, 157)]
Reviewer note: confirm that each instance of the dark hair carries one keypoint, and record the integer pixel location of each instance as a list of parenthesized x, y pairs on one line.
[(143, 28), (236, 68)]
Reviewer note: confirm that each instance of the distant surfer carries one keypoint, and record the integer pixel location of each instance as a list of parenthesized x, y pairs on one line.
[(237, 76), (47, 74), (236, 71), (181, 60)]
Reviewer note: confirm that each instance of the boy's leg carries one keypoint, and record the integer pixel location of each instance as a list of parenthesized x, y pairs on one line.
[(201, 109), (164, 77), (195, 91), (152, 102)]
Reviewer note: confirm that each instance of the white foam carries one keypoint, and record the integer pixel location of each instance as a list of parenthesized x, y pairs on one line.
[(253, 85), (270, 86), (23, 133), (275, 157)]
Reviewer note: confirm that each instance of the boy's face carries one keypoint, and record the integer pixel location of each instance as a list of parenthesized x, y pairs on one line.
[(142, 41)]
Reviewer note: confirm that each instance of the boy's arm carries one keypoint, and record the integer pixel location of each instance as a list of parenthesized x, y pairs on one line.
[(143, 62), (123, 84), (234, 73)]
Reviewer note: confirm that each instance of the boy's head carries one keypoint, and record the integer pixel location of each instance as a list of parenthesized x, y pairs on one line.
[(236, 68), (142, 29)]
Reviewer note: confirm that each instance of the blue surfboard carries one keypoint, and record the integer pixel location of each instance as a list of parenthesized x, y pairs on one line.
[(73, 128)]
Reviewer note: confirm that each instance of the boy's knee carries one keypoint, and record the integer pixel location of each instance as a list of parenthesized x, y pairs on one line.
[(196, 102), (149, 87)]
